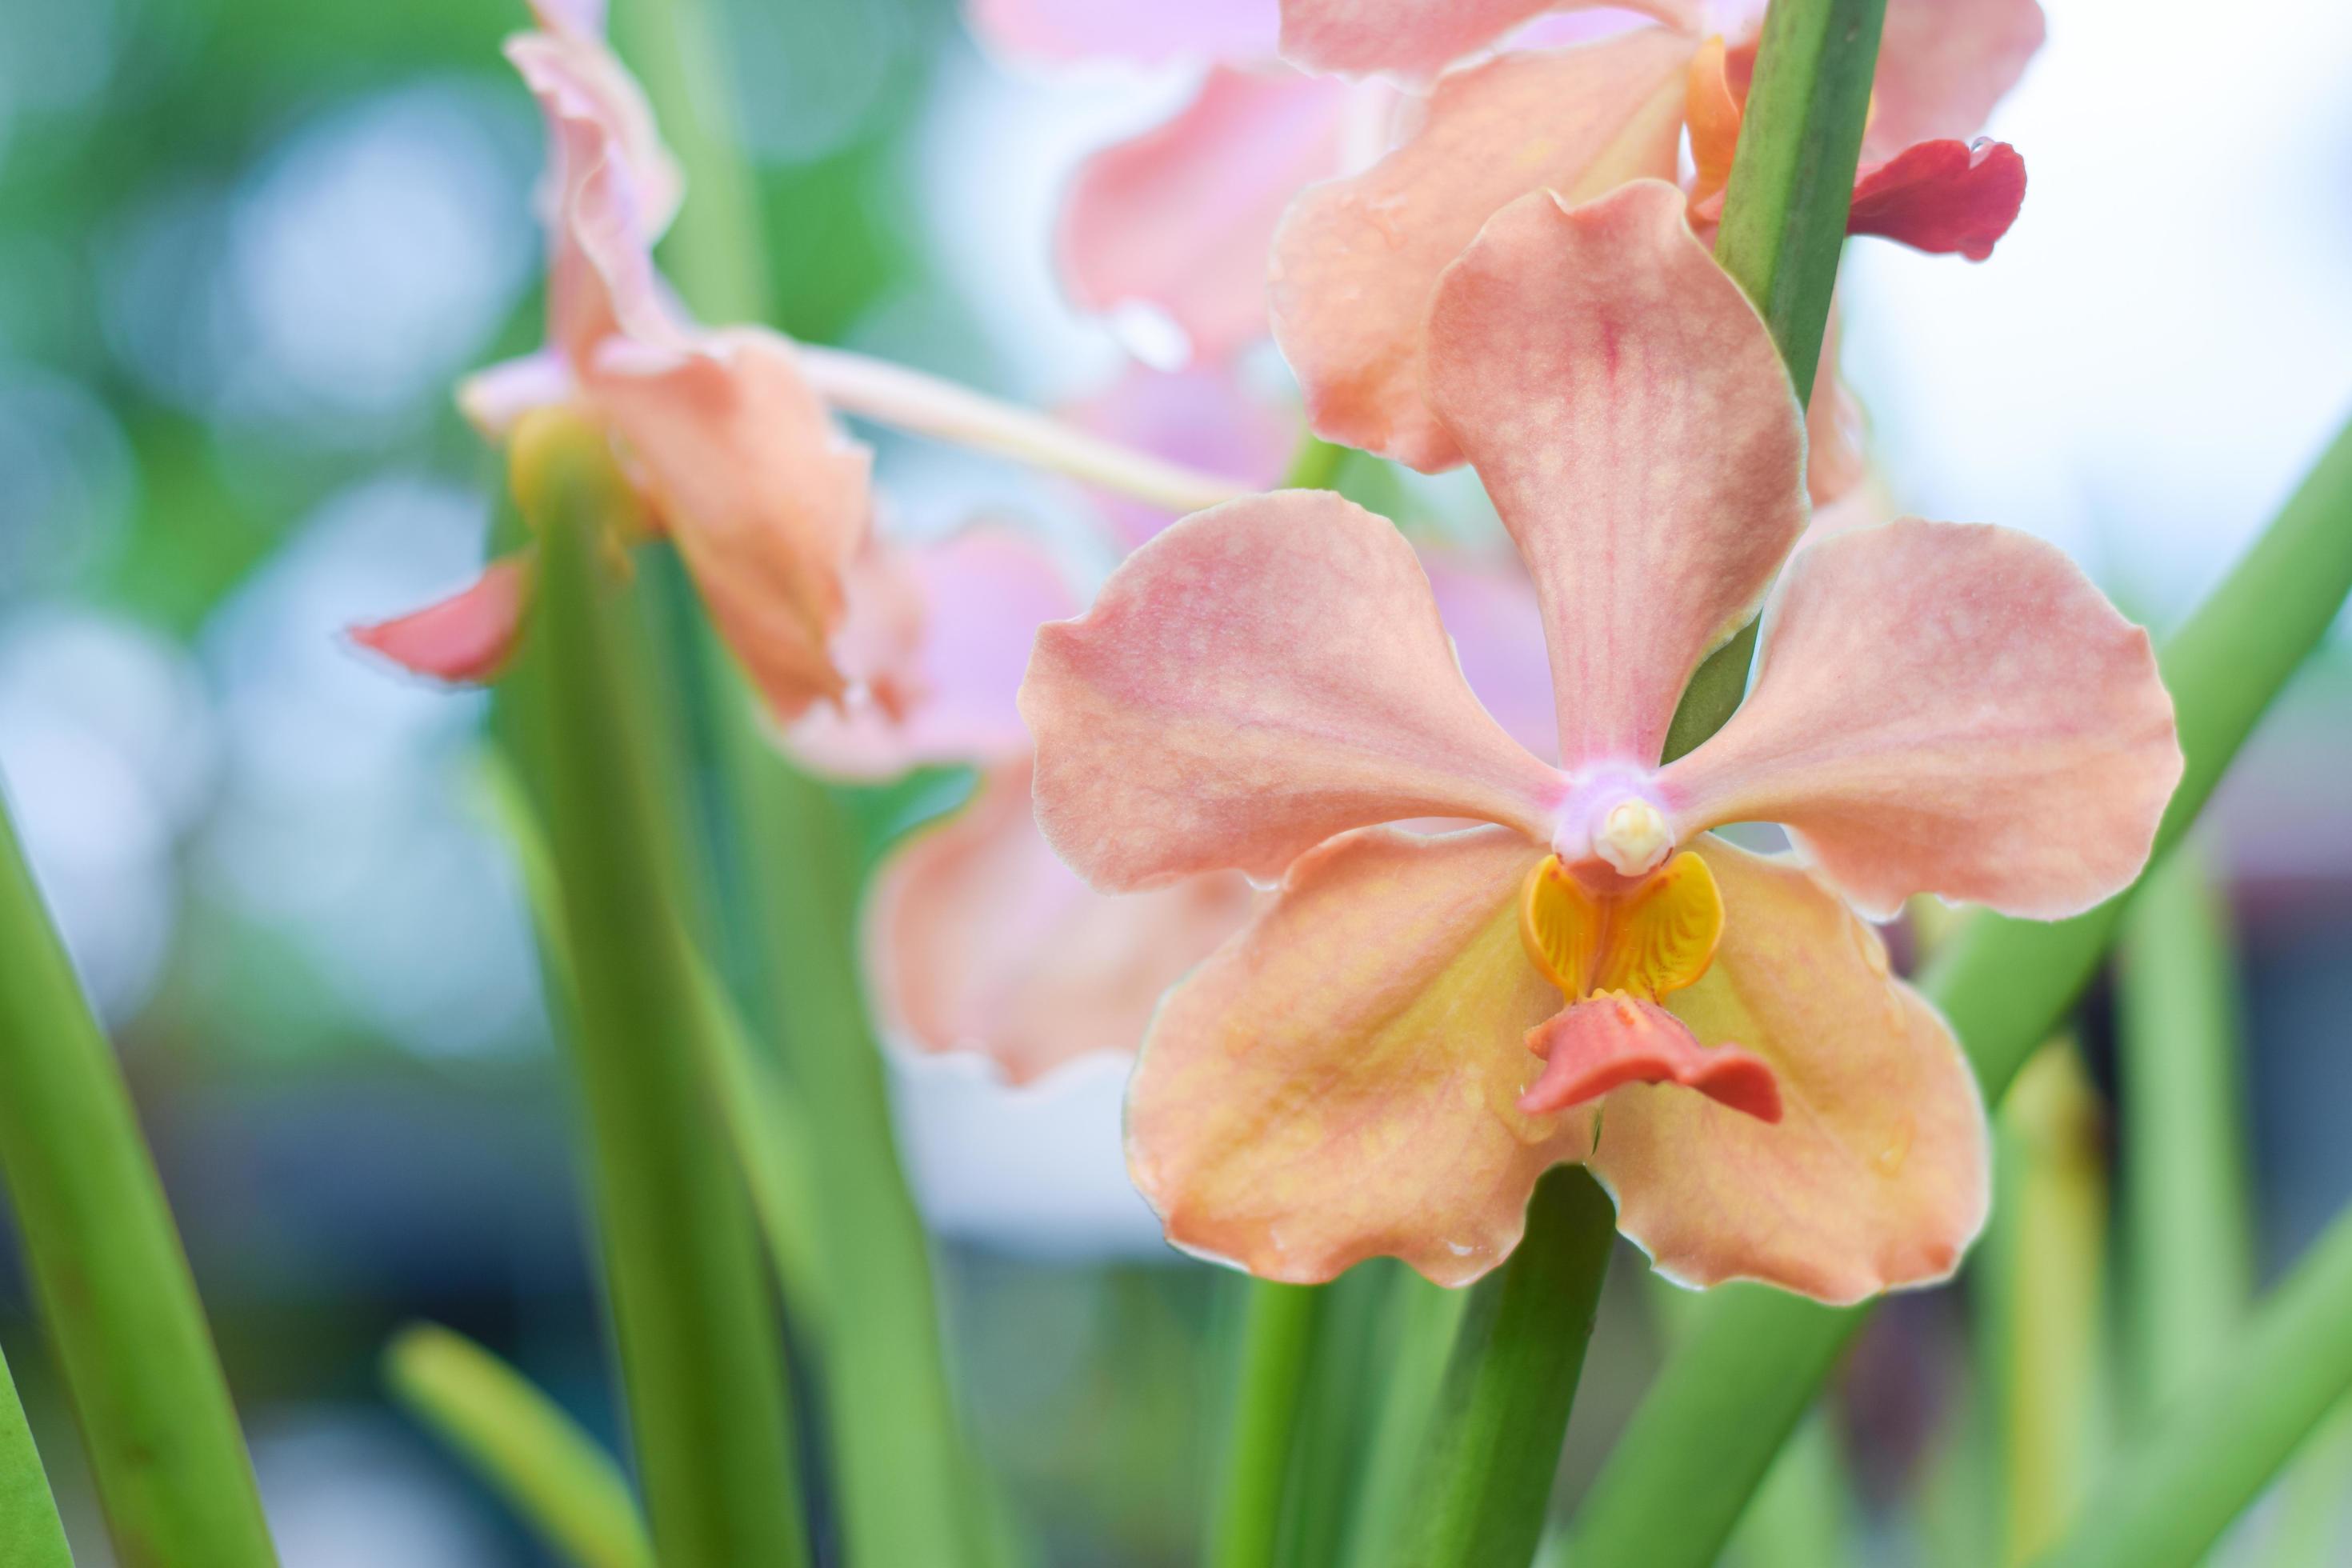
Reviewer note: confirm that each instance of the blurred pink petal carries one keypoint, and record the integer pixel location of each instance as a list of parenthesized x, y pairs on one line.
[(764, 497), (1182, 216), (1413, 40), (464, 638), (1874, 1178), (1341, 1080), (1498, 637), (1835, 427), (1942, 66), (934, 643), (1608, 1041), (1629, 416), (1203, 418), (1951, 709), (977, 938), (493, 399), (1942, 197), (1140, 32), (1356, 261), (1259, 677)]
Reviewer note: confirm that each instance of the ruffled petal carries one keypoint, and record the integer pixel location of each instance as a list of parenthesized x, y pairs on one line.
[(1355, 261), (933, 645), (978, 938), (1183, 215), (1876, 1177), (1264, 675), (1147, 34), (1629, 416), (1341, 1081), (464, 638), (1942, 66), (766, 499), (1612, 1040), (1413, 40), (1942, 197), (1204, 418), (1945, 708)]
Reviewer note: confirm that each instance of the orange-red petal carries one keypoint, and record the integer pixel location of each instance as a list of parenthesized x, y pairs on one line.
[(1341, 1080), (1942, 197), (464, 638), (1613, 1039), (1875, 1178)]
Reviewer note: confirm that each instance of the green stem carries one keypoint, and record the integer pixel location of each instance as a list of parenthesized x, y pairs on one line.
[(1277, 1337), (30, 1532), (2184, 1163), (1429, 1320), (1314, 465), (1783, 228), (1703, 1434), (683, 1269), (552, 1473), (2238, 1421), (117, 1300), (1503, 1411)]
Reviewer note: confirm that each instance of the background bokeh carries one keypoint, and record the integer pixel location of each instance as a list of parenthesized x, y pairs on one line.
[(247, 246)]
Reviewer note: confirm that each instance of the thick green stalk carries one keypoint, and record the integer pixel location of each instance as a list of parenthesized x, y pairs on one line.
[(117, 1300), (1783, 226), (1494, 1445), (1276, 1336), (1428, 1318), (1726, 1399), (31, 1535), (2184, 1161), (683, 1270), (2217, 1447), (553, 1475)]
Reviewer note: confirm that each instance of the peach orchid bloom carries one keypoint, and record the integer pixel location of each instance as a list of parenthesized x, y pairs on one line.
[(1388, 1057), (1356, 259), (729, 435)]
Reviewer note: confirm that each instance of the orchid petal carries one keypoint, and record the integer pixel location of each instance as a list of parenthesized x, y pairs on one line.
[(1834, 426), (765, 497), (1204, 418), (978, 938), (934, 643), (1182, 216), (1875, 1176), (1614, 1039), (1413, 40), (1340, 1081), (1498, 637), (493, 400), (1146, 34), (464, 638), (1631, 420), (1942, 66), (1941, 197), (1261, 676), (1945, 708), (1356, 260)]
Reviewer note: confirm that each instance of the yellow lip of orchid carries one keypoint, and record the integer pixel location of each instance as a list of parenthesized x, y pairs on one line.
[(1655, 935)]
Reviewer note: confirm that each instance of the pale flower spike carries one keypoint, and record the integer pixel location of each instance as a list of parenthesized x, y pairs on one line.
[(1417, 1028), (729, 435)]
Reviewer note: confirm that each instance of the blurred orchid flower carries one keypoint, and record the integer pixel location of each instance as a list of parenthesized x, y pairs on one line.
[(1356, 259), (729, 435), (1382, 1063)]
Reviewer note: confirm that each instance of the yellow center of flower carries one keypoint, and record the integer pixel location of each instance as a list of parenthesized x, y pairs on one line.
[(1655, 935)]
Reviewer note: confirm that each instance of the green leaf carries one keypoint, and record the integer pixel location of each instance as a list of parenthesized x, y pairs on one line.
[(552, 1473), (117, 1303), (1727, 1398), (683, 1270), (1277, 1336), (31, 1535)]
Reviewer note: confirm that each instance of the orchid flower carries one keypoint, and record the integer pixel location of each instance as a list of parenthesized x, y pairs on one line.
[(729, 435), (1356, 259), (1416, 1027)]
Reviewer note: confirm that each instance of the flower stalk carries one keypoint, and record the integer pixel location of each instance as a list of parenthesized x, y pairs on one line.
[(30, 1532), (117, 1303)]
